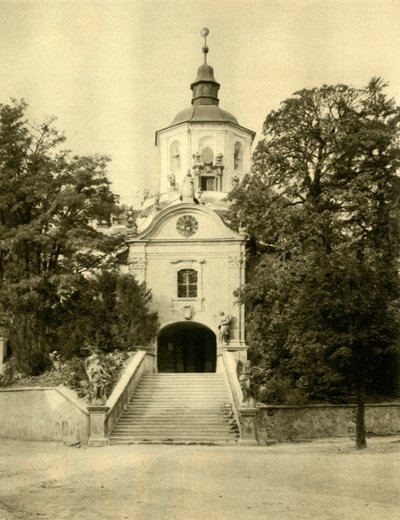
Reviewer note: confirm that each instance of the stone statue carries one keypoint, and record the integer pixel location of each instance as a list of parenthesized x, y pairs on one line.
[(157, 196), (55, 359), (187, 191), (197, 158), (245, 385), (218, 159), (236, 159), (98, 377), (235, 181), (130, 219), (172, 180), (224, 327)]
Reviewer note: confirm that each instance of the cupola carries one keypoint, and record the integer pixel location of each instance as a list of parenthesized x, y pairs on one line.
[(205, 88)]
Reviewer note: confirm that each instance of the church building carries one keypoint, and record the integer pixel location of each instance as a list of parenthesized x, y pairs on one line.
[(189, 258)]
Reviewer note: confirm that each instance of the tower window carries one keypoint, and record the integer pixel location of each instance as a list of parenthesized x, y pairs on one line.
[(175, 156), (207, 155), (187, 283), (238, 157), (207, 184)]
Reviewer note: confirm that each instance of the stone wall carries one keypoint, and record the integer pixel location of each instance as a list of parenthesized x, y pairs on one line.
[(286, 423), (43, 414)]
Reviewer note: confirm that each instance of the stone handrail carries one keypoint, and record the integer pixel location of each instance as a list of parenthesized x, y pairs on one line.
[(228, 368), (141, 362), (67, 393)]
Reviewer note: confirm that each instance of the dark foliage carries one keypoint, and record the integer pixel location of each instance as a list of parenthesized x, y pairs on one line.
[(59, 288), (321, 208)]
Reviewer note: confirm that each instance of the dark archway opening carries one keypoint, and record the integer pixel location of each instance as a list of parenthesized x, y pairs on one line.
[(186, 347)]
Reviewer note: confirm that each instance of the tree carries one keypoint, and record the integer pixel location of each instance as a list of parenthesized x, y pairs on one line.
[(49, 245), (109, 311), (322, 208)]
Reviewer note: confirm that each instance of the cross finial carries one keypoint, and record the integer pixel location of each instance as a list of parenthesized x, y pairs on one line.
[(205, 32)]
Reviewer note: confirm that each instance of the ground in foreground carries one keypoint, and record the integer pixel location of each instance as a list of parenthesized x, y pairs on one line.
[(305, 481)]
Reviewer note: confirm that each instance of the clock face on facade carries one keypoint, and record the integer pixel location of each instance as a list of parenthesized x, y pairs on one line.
[(187, 225)]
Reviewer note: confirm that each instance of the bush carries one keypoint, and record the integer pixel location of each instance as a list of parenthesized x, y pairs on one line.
[(69, 372)]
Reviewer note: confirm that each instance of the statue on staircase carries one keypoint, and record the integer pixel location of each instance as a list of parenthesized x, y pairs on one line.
[(98, 378), (245, 385), (224, 327)]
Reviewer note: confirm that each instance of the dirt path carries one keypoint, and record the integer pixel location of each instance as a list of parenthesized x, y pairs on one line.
[(319, 480)]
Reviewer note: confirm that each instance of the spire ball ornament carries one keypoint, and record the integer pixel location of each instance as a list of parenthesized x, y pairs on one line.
[(205, 32)]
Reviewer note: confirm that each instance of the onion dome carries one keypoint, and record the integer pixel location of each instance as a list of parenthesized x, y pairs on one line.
[(205, 88), (205, 96)]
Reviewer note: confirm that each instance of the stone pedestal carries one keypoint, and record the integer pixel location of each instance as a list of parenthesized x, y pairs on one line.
[(97, 424), (248, 428)]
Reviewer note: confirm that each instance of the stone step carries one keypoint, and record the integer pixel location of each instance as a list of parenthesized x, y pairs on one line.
[(178, 402), (218, 405), (165, 414), (149, 392), (183, 375), (171, 442), (182, 380), (154, 425), (177, 442), (186, 384), (161, 437), (181, 398), (181, 391), (171, 430), (203, 422), (176, 412), (177, 408), (187, 418), (182, 388), (161, 418), (187, 381), (176, 390)]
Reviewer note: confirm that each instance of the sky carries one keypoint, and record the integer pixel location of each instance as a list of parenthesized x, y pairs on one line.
[(115, 71)]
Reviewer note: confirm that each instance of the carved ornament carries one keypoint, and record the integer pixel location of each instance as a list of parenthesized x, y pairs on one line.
[(236, 261), (137, 263)]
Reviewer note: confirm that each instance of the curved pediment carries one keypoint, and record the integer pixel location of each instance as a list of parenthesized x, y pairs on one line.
[(187, 221)]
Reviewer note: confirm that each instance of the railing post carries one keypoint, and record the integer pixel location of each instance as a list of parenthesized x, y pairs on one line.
[(97, 425)]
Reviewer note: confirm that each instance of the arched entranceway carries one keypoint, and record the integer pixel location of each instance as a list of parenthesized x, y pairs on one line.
[(186, 347)]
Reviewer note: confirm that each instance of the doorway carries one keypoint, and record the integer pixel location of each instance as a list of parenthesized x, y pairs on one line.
[(186, 347)]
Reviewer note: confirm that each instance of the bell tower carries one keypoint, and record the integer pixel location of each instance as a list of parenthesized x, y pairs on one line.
[(205, 140)]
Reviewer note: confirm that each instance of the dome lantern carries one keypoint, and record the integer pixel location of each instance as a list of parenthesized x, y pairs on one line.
[(205, 88)]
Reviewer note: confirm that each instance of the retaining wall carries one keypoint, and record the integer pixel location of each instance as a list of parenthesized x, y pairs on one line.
[(43, 414), (285, 423)]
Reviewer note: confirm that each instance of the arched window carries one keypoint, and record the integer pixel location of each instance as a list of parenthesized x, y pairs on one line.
[(238, 157), (175, 156), (207, 155), (187, 283)]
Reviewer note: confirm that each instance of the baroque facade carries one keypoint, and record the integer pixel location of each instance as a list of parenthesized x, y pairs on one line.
[(189, 258)]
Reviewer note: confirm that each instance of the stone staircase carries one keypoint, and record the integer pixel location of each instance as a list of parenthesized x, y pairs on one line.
[(180, 408)]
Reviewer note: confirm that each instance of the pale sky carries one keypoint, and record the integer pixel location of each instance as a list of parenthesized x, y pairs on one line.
[(115, 71)]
